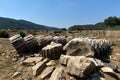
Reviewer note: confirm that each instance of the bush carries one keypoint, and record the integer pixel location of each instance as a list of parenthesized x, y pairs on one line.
[(3, 34), (23, 34)]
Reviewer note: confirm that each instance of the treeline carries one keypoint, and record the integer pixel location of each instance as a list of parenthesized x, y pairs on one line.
[(109, 23)]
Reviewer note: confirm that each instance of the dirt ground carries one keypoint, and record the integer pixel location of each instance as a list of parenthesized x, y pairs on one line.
[(8, 67)]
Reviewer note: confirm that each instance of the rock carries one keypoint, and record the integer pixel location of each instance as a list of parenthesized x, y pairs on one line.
[(39, 67), (32, 60), (64, 59), (58, 74), (96, 76), (47, 73), (98, 48), (19, 44), (43, 41), (98, 63), (110, 72), (77, 47), (31, 43), (51, 63), (79, 66), (112, 66), (16, 74), (60, 39), (52, 51)]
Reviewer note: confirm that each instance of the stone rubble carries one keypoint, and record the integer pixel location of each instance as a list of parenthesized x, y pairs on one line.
[(64, 58)]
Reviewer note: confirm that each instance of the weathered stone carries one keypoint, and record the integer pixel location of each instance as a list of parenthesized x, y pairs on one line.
[(112, 66), (43, 41), (38, 68), (19, 44), (64, 59), (98, 48), (16, 74), (47, 73), (58, 74), (31, 43), (77, 65), (96, 76), (98, 63), (77, 47), (110, 72), (60, 39), (32, 60), (51, 63), (52, 51)]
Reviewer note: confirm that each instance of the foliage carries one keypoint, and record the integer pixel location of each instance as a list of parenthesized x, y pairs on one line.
[(112, 21), (23, 34), (4, 34)]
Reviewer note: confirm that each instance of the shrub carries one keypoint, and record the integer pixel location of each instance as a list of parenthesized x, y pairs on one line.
[(23, 34), (4, 34)]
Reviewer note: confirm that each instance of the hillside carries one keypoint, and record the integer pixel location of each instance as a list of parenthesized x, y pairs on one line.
[(8, 23), (97, 26)]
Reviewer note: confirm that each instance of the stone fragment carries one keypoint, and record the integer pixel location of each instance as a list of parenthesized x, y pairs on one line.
[(113, 66), (32, 60), (51, 63), (16, 74), (19, 44), (110, 72), (79, 66), (43, 40), (31, 43), (58, 74), (98, 63), (47, 73), (39, 67), (60, 39), (77, 47), (52, 51)]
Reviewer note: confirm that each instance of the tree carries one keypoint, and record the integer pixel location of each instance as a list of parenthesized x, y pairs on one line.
[(3, 34), (112, 21), (23, 34)]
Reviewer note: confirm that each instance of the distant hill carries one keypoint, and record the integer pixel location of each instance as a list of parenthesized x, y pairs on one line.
[(8, 23), (97, 26)]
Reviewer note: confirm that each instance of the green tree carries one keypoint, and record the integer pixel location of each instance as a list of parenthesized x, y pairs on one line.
[(4, 34), (112, 21), (23, 34)]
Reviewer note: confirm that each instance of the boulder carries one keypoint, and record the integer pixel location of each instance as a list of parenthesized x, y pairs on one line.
[(32, 61), (77, 46), (47, 73), (79, 66), (39, 67), (52, 51), (97, 48), (31, 43)]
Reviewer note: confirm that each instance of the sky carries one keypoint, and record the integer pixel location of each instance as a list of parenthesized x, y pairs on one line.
[(60, 13)]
